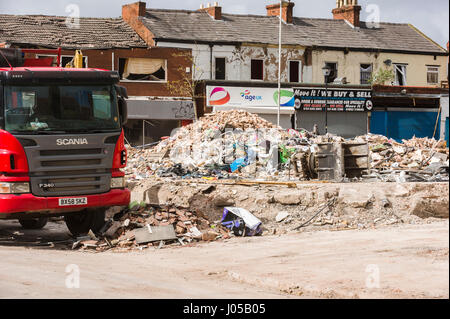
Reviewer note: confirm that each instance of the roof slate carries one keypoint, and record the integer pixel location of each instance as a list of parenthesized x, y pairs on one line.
[(52, 32), (198, 26)]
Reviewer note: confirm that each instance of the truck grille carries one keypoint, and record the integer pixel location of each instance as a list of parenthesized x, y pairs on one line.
[(70, 170)]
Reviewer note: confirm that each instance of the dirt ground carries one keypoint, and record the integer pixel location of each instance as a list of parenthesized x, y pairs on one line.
[(400, 261)]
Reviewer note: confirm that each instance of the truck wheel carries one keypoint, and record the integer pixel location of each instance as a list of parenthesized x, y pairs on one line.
[(80, 223), (35, 223)]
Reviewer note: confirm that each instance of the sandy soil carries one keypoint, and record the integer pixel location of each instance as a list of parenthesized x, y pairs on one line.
[(408, 261)]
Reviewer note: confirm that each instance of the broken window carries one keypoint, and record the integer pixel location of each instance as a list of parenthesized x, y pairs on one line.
[(66, 59), (294, 71), (257, 70), (400, 74), (142, 69), (366, 73), (334, 71), (220, 69), (432, 74)]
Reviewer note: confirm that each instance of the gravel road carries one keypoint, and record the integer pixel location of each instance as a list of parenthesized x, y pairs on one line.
[(407, 261)]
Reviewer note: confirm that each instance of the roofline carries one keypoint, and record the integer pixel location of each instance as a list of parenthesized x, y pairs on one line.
[(379, 50), (171, 40), (74, 47), (426, 37), (314, 47)]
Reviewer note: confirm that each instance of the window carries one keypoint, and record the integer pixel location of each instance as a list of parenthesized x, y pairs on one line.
[(143, 69), (65, 59), (294, 71), (334, 71), (366, 73), (257, 70), (432, 74), (61, 108), (220, 68), (400, 74)]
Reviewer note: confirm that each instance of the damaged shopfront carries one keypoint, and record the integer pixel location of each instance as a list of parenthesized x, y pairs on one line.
[(337, 109), (151, 119)]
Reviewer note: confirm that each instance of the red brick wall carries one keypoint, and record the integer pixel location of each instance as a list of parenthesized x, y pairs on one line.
[(287, 11), (215, 12), (131, 14), (177, 61)]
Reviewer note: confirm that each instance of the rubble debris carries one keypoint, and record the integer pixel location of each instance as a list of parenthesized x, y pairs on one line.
[(281, 216), (240, 145), (141, 227), (241, 222), (151, 234)]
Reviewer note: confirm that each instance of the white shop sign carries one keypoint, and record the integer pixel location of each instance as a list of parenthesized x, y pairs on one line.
[(225, 96)]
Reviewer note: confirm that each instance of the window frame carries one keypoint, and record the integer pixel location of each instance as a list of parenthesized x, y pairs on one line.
[(224, 65), (251, 69), (437, 67), (361, 72), (337, 70), (142, 81), (397, 83), (300, 73)]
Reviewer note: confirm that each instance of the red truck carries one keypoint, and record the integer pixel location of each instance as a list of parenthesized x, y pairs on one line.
[(62, 147)]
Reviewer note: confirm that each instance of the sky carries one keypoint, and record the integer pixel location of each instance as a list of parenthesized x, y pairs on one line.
[(432, 19)]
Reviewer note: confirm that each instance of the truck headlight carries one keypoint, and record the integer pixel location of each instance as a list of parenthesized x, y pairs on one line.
[(14, 188), (118, 182)]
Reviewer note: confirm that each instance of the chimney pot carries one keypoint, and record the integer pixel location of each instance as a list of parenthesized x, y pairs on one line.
[(348, 10), (215, 12), (287, 13)]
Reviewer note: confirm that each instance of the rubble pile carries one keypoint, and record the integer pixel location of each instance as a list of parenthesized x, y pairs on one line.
[(417, 159), (119, 231), (240, 145)]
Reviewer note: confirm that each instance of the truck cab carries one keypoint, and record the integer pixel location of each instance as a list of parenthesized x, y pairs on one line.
[(62, 147)]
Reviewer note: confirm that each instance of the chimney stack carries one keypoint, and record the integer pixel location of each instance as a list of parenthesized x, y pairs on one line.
[(287, 13), (348, 10), (214, 11)]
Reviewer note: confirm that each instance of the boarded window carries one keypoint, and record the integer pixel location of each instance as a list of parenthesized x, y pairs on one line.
[(366, 73), (220, 69), (433, 75), (142, 69), (294, 71), (257, 70), (400, 74), (334, 72)]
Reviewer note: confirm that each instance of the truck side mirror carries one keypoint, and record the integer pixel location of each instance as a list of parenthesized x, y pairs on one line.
[(122, 91), (123, 110)]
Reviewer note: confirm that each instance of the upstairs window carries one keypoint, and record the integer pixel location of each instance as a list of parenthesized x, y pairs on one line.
[(220, 69), (294, 71), (400, 74), (257, 71), (143, 69), (433, 75), (334, 71), (366, 73)]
